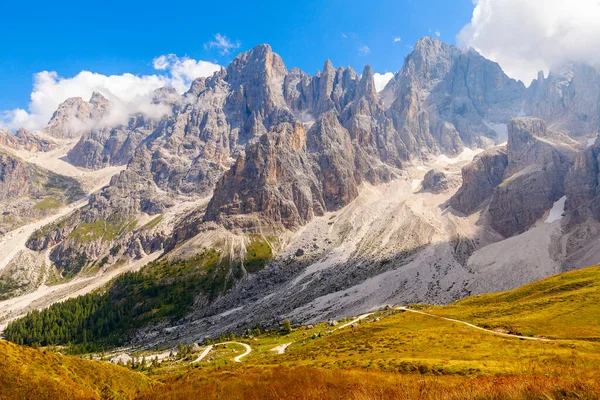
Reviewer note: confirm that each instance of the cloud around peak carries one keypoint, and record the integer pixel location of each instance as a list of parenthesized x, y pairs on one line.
[(50, 89), (525, 36)]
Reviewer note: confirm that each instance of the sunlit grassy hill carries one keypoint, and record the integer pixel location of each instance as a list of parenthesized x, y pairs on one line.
[(26, 373)]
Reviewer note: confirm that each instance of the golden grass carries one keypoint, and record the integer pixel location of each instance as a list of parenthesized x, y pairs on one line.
[(314, 383), (27, 373)]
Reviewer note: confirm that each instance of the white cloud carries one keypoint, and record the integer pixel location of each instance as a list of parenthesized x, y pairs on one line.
[(525, 36), (344, 36), (363, 50), (381, 80), (160, 63), (223, 43), (129, 91), (397, 39)]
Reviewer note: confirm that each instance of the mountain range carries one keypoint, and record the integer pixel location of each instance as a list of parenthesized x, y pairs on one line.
[(285, 195)]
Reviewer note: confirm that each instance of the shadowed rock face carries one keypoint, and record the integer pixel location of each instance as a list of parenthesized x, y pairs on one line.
[(480, 178), (582, 185), (523, 181)]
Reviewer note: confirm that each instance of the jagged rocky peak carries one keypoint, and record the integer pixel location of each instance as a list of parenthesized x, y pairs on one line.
[(310, 96), (568, 100), (430, 60), (260, 73), (445, 97), (259, 63), (366, 86), (75, 115)]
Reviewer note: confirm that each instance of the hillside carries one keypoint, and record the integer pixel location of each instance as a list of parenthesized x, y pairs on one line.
[(564, 306), (391, 353), (34, 374)]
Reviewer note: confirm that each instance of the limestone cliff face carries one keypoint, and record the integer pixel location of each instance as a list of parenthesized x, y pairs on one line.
[(582, 185), (18, 178), (272, 183), (443, 98)]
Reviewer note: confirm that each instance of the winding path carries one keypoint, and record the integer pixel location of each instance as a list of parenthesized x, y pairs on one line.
[(475, 326), (239, 358)]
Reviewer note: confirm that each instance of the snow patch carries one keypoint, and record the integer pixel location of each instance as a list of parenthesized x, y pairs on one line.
[(556, 213), (415, 184), (466, 155), (591, 141)]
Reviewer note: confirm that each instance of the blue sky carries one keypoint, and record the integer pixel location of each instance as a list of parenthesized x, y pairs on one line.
[(114, 37)]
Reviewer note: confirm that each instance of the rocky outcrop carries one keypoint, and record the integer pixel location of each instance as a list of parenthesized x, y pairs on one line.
[(538, 162), (435, 181), (479, 179), (25, 140), (76, 115), (531, 143), (522, 181), (568, 99)]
